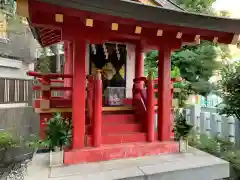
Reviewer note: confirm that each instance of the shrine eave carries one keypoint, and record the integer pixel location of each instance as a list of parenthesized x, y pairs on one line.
[(153, 21), (155, 14)]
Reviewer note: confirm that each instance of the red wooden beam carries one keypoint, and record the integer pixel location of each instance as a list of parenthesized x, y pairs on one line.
[(70, 16), (149, 36), (44, 20), (57, 81), (49, 75), (38, 88)]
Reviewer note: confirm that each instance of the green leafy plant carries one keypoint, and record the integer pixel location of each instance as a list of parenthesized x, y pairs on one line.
[(8, 7), (234, 158), (7, 141), (58, 132), (229, 90), (181, 129), (32, 142), (209, 145), (220, 148), (44, 62)]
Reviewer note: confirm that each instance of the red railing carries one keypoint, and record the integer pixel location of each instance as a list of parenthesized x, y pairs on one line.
[(49, 75), (90, 91), (93, 98), (97, 109), (145, 101), (143, 98), (47, 80), (48, 85)]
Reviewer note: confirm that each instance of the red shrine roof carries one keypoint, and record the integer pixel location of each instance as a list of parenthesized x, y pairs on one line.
[(159, 12), (40, 32)]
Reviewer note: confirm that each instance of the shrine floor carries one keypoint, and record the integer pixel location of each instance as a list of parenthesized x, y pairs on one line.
[(194, 165)]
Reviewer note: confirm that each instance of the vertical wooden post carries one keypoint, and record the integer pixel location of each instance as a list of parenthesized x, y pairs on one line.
[(97, 111), (46, 89), (78, 100), (150, 108), (139, 62), (71, 63), (164, 94), (172, 112), (44, 105), (90, 97), (68, 66), (139, 69)]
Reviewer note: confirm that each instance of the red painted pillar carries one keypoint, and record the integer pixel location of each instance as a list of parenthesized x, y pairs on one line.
[(90, 97), (139, 62), (139, 69), (78, 99), (70, 60), (68, 66), (150, 108), (164, 94), (172, 112), (97, 111)]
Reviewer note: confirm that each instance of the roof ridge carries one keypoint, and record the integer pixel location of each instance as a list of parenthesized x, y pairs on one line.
[(175, 4)]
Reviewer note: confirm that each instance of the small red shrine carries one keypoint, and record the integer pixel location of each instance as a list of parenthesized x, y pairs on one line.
[(109, 120)]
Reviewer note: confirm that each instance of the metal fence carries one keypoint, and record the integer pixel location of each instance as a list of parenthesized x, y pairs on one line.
[(208, 121), (15, 91)]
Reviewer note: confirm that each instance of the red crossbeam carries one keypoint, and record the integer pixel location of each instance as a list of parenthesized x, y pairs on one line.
[(49, 75), (38, 88)]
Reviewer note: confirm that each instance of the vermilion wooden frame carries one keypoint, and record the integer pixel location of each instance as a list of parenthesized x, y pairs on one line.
[(42, 15), (59, 23)]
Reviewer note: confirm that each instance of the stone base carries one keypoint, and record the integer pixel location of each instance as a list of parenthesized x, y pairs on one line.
[(120, 151), (194, 164)]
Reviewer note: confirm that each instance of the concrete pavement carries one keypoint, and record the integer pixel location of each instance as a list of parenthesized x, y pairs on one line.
[(195, 165)]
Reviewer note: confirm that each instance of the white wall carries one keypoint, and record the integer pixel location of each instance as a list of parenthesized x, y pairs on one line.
[(10, 68), (130, 67)]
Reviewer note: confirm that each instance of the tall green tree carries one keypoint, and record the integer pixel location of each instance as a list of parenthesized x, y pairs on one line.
[(200, 6), (43, 64), (197, 63), (8, 7), (229, 90)]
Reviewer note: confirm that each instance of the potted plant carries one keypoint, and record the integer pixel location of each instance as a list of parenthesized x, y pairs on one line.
[(58, 136), (13, 151), (182, 130)]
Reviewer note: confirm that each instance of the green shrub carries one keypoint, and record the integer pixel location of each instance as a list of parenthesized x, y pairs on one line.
[(220, 148), (181, 128), (6, 141), (58, 132)]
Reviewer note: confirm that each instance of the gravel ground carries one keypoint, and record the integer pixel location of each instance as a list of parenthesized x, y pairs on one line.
[(14, 171)]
